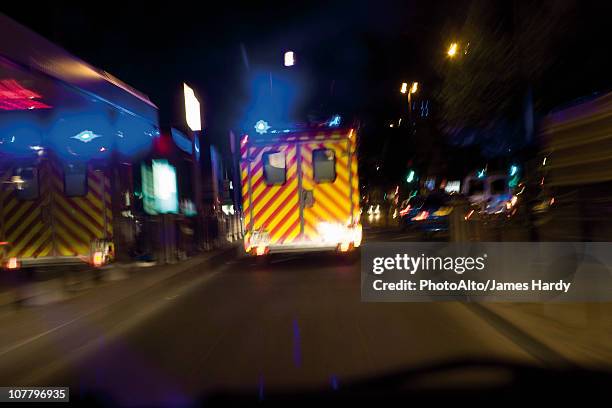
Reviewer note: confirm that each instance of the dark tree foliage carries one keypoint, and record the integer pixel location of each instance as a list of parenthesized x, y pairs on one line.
[(505, 48)]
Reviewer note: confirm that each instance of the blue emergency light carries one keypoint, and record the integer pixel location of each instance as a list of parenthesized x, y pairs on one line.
[(262, 127)]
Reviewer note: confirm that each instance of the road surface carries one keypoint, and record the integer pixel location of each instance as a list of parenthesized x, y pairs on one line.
[(295, 322)]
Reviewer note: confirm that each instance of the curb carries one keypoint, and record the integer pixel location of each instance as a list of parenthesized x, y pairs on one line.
[(59, 289)]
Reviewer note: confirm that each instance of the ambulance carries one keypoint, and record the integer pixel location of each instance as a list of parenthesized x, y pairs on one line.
[(69, 136), (300, 191)]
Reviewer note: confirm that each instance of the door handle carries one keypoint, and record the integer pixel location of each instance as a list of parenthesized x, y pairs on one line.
[(308, 198)]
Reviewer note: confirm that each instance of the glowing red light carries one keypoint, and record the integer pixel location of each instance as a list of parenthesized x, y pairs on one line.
[(163, 144), (13, 96), (469, 215), (405, 211), (13, 263), (98, 259), (423, 215)]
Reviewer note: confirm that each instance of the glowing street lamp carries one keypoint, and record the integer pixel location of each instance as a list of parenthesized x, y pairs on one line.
[(404, 89), (192, 109), (289, 59), (452, 50), (414, 87)]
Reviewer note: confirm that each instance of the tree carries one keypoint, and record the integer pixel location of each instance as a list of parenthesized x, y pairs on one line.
[(505, 48)]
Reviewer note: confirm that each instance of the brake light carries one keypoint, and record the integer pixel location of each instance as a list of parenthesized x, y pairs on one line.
[(344, 246), (98, 259), (423, 215), (404, 211), (13, 263)]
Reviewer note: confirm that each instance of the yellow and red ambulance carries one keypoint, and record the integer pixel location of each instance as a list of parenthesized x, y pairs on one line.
[(300, 191), (69, 135)]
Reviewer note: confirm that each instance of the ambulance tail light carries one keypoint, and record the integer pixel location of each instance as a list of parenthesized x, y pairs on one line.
[(257, 243), (261, 250), (98, 259), (344, 246), (13, 263)]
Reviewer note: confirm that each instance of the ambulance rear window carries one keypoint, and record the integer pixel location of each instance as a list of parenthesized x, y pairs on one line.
[(75, 179), (275, 168), (324, 162)]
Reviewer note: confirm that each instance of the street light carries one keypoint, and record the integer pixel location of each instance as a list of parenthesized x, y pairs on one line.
[(289, 59), (404, 89), (452, 50)]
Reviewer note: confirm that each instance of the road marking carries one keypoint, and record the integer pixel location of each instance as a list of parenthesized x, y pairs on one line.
[(38, 336), (200, 280)]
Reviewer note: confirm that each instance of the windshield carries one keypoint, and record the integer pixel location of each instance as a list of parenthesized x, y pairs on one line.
[(476, 187)]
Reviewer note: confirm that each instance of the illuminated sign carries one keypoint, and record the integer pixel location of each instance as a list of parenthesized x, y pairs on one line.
[(289, 59), (14, 96), (165, 187), (148, 192), (192, 109), (452, 186)]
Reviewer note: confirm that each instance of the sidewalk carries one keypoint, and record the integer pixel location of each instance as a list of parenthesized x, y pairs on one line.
[(581, 332), (59, 288)]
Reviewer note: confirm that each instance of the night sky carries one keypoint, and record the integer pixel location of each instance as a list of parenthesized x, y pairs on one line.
[(358, 50)]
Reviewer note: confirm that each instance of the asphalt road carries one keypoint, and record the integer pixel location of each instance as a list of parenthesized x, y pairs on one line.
[(295, 322)]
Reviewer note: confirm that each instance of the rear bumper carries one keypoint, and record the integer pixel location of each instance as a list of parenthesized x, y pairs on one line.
[(297, 247), (306, 247), (332, 237), (53, 263)]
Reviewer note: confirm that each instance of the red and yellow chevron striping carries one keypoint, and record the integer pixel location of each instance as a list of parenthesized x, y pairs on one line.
[(54, 224), (274, 208), (331, 200)]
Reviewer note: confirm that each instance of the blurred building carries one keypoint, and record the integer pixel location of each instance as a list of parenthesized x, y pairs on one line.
[(576, 172)]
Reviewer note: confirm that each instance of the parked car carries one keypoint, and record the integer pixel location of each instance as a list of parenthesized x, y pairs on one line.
[(489, 195), (426, 214)]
